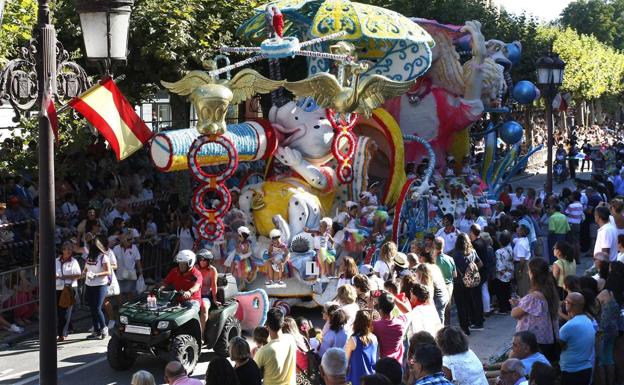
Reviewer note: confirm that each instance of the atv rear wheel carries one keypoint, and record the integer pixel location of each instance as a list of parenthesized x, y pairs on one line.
[(118, 354), (184, 349), (230, 330)]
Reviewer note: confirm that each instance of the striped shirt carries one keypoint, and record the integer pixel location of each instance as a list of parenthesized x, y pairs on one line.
[(575, 213)]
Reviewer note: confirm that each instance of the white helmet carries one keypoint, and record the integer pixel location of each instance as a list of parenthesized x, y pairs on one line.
[(328, 221), (244, 230), (275, 233), (186, 256)]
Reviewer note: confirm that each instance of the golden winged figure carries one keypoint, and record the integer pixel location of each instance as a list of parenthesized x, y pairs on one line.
[(211, 97), (361, 97)]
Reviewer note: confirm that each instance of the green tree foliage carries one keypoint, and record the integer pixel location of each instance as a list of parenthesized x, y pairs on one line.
[(593, 69), (17, 23), (597, 18)]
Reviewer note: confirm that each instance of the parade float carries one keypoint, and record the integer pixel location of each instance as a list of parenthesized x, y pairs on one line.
[(380, 91)]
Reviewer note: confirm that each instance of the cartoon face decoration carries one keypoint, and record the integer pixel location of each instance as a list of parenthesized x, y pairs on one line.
[(304, 127)]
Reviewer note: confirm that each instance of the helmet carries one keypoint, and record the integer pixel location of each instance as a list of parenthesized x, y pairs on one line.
[(186, 256), (205, 254), (244, 231), (275, 233)]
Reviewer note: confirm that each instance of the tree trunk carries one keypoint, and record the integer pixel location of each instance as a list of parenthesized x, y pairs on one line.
[(528, 123), (580, 121), (592, 113), (180, 111), (598, 111)]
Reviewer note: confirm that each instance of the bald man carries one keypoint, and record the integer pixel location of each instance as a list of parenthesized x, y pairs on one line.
[(577, 338), (512, 373), (175, 374)]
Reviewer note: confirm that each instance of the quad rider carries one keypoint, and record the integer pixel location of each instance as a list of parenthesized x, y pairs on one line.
[(209, 284)]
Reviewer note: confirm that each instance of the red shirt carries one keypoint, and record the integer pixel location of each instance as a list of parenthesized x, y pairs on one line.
[(185, 281)]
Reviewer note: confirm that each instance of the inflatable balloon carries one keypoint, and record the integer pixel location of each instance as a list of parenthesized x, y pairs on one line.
[(525, 92), (514, 51), (511, 132)]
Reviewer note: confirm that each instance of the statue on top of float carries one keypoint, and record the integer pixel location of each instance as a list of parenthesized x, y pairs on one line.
[(450, 97)]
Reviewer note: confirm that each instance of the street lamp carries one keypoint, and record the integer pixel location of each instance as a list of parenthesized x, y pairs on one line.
[(105, 25), (549, 77), (24, 81)]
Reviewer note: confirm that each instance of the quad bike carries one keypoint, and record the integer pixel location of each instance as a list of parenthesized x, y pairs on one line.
[(170, 330)]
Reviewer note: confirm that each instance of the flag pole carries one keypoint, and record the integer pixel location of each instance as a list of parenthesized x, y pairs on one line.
[(67, 105)]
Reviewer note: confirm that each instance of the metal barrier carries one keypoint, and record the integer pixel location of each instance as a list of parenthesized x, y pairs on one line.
[(155, 259), (538, 159), (19, 290)]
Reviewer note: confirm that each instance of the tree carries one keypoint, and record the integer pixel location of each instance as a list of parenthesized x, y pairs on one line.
[(17, 23), (593, 17)]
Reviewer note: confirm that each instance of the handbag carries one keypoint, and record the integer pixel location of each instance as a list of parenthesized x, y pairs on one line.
[(113, 286), (67, 298)]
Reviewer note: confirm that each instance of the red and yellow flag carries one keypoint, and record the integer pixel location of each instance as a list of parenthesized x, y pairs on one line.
[(112, 115)]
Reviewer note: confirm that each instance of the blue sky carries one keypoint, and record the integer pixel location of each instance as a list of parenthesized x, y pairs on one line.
[(546, 10)]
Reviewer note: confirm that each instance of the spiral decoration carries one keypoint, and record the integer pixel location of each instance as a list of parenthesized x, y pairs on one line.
[(344, 144), (211, 227)]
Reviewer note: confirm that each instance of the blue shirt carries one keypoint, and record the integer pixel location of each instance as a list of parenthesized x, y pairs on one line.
[(333, 339), (580, 336), (533, 358), (433, 379)]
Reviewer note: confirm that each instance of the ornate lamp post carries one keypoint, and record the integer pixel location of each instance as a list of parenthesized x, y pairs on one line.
[(44, 66), (549, 77)]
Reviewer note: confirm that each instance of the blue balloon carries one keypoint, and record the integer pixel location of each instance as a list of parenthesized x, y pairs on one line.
[(525, 92), (511, 132), (514, 51)]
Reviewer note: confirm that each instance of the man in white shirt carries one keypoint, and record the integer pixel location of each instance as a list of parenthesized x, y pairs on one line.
[(518, 198), (606, 237), (448, 233), (120, 211)]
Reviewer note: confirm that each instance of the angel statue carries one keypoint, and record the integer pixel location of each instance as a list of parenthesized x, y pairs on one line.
[(211, 96), (361, 97)]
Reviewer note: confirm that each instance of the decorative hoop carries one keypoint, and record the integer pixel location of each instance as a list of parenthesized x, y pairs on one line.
[(203, 176)]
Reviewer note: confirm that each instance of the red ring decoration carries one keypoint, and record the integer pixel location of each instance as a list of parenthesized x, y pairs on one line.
[(342, 153), (345, 172), (210, 231), (204, 176), (224, 196)]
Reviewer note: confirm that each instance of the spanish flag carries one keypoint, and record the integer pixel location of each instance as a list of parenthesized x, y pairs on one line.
[(112, 115)]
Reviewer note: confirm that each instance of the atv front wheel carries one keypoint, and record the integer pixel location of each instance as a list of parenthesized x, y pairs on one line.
[(184, 349), (230, 330), (118, 355)]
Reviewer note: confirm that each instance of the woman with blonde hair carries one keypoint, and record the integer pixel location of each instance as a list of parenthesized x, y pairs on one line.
[(346, 297), (142, 377), (384, 266)]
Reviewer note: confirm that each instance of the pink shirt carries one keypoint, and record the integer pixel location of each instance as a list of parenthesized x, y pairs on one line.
[(390, 334), (187, 381)]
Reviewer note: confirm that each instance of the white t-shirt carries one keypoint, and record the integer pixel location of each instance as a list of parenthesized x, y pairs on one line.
[(70, 267), (516, 201), (115, 214), (126, 258), (607, 238), (522, 249), (465, 368), (97, 267), (382, 268), (350, 310), (464, 225), (423, 318), (449, 239), (186, 238)]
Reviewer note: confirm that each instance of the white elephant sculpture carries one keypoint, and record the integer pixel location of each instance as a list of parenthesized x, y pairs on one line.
[(302, 186)]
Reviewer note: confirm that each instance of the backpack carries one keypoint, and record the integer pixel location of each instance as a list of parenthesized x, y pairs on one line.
[(471, 277)]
